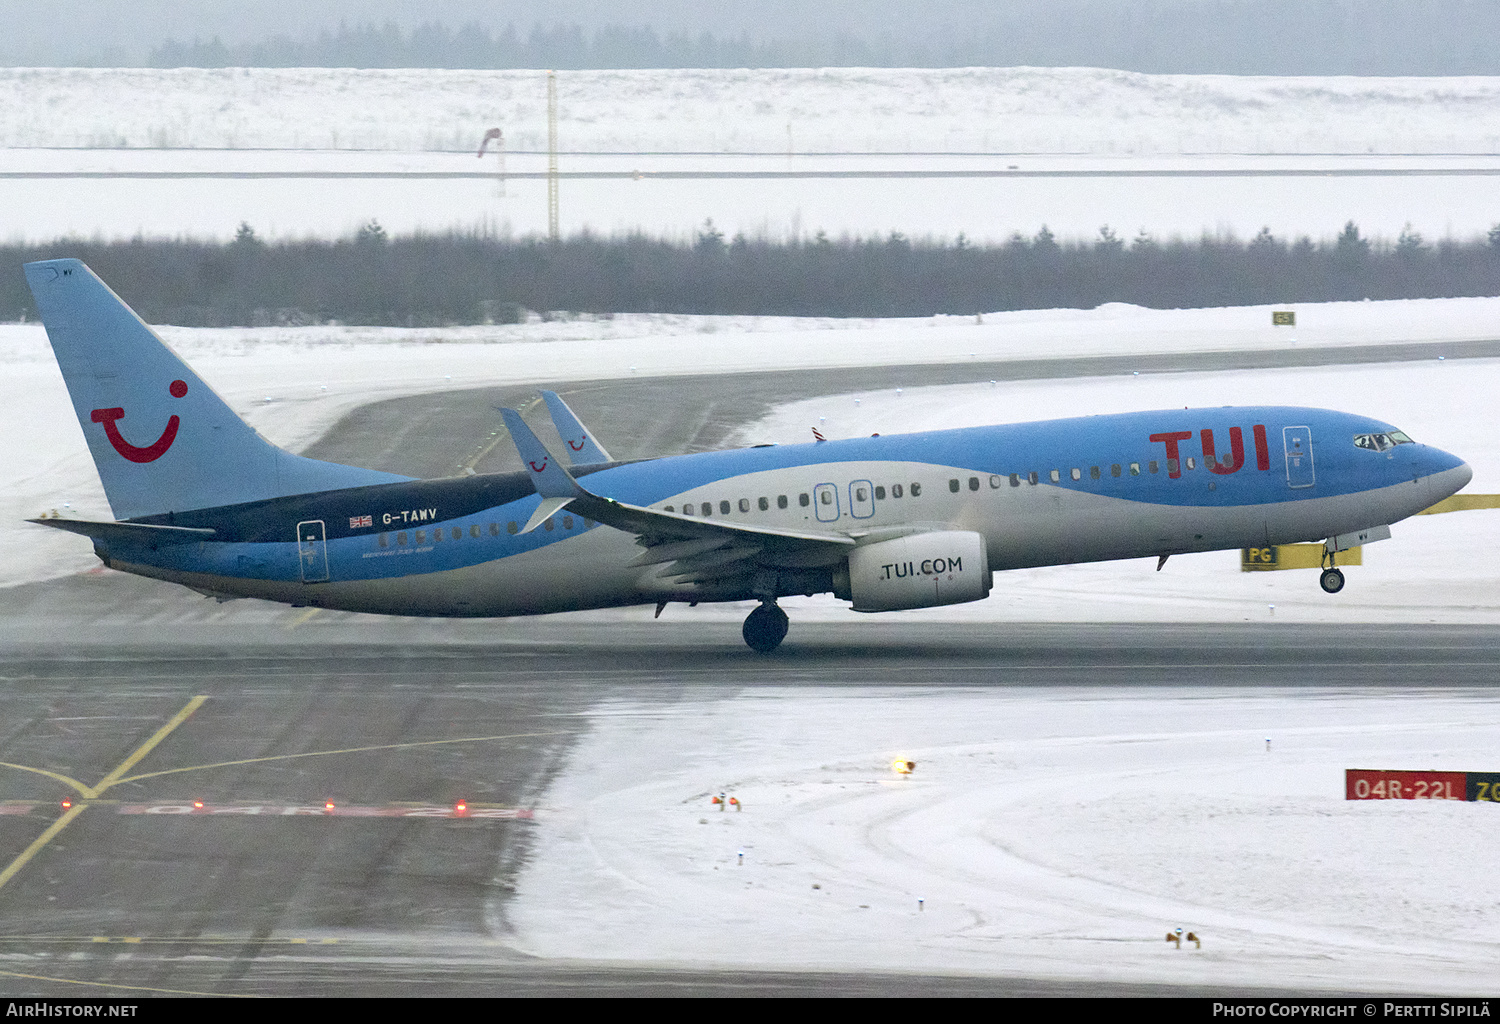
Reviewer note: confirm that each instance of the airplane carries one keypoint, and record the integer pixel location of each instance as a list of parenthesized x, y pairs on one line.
[(886, 522)]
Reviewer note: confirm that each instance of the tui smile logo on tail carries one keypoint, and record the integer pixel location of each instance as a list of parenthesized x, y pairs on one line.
[(153, 451)]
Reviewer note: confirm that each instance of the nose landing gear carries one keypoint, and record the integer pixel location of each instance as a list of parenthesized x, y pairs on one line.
[(765, 628), (1332, 580)]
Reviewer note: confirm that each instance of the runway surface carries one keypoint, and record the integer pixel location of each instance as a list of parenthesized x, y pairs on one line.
[(263, 890)]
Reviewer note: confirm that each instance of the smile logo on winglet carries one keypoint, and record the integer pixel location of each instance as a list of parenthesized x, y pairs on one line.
[(534, 467), (153, 451)]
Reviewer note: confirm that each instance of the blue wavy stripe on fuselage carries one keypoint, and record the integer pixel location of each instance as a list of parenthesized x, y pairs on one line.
[(993, 451)]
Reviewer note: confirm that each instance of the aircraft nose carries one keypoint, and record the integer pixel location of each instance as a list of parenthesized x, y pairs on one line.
[(1446, 473)]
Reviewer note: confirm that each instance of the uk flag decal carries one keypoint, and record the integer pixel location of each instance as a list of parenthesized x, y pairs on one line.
[(355, 522)]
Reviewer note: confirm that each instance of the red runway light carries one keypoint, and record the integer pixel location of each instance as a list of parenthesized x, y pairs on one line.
[(197, 805), (67, 804), (328, 805), (462, 807)]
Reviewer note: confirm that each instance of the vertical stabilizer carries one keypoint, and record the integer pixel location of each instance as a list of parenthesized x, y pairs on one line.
[(162, 439)]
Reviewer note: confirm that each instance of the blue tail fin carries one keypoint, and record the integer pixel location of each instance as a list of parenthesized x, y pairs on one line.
[(163, 440)]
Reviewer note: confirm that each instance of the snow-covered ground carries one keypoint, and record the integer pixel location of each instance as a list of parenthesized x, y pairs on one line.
[(314, 375), (985, 209), (1049, 832), (990, 110), (1037, 119)]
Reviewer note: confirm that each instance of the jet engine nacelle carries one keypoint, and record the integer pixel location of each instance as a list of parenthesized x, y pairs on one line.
[(922, 570)]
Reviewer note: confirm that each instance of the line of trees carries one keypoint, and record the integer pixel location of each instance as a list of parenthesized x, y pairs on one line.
[(469, 278), (1254, 37)]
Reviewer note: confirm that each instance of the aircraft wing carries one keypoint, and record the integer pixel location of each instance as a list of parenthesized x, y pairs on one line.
[(690, 549), (583, 448)]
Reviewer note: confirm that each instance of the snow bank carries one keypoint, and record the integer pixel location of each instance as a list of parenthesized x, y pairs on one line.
[(1049, 832)]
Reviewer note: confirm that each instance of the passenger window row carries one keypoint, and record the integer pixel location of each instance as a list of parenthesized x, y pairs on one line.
[(804, 500), (439, 533)]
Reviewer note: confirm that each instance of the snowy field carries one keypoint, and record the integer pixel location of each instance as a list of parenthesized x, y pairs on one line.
[(841, 110), (1037, 119), (1442, 204), (1051, 833), (294, 383)]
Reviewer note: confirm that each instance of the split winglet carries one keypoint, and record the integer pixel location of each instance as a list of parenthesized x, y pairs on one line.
[(551, 480), (583, 448)]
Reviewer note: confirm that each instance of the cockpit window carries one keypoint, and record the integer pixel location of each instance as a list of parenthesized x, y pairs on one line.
[(1381, 442)]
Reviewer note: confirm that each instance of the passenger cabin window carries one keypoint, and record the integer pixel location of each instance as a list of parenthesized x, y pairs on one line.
[(1094, 473), (1056, 476), (706, 508), (437, 535), (916, 490), (764, 504), (895, 490), (827, 496), (880, 492), (781, 501), (1114, 470), (512, 528), (474, 531), (994, 482), (745, 504), (1032, 478), (567, 522), (1135, 469), (973, 483), (383, 541), (494, 529), (401, 539), (1172, 465), (549, 525), (1152, 465), (953, 485), (723, 508), (804, 500), (668, 508), (1015, 479), (420, 537), (861, 494), (1076, 474), (1191, 464)]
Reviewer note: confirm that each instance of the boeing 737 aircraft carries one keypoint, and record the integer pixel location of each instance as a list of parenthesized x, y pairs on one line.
[(883, 522)]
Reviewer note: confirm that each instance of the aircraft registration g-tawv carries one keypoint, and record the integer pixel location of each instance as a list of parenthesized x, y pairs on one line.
[(884, 522)]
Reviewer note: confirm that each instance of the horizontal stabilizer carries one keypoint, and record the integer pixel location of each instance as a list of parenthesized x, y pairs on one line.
[(128, 533)]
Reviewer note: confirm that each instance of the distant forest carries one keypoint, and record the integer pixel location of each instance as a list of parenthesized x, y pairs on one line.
[(1241, 37), (429, 280)]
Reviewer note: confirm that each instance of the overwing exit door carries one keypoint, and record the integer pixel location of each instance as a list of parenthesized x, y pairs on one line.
[(312, 550)]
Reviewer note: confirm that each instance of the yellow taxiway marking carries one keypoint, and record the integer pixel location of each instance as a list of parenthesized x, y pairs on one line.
[(128, 988), (346, 750), (40, 841), (80, 787), (304, 617), (92, 791)]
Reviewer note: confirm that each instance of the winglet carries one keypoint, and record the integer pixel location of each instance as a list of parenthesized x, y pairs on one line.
[(548, 476), (583, 448)]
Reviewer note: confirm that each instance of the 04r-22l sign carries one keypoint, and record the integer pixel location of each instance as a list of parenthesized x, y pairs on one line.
[(1368, 784)]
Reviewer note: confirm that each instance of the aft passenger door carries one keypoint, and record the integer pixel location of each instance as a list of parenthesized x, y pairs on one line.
[(312, 551), (1299, 456)]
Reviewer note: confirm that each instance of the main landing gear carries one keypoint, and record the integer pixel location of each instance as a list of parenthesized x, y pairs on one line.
[(765, 628)]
